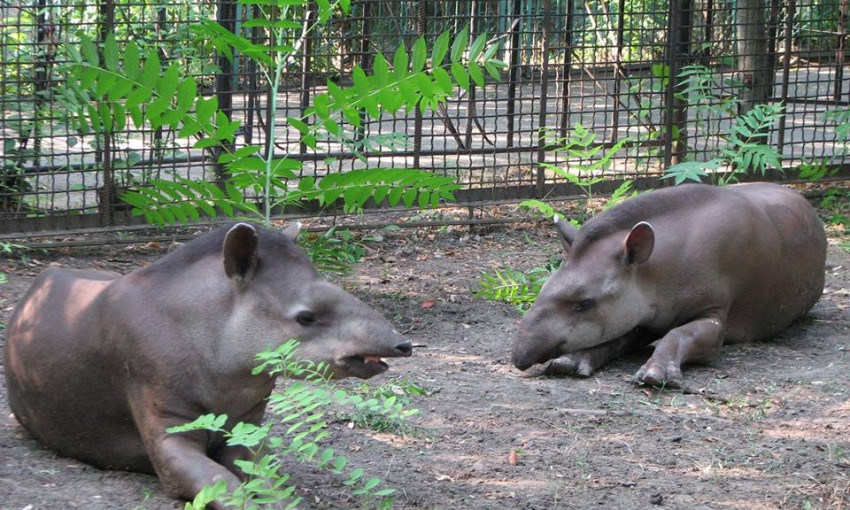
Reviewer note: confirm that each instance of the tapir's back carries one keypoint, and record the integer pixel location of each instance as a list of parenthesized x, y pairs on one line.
[(756, 249), (781, 262), (56, 381)]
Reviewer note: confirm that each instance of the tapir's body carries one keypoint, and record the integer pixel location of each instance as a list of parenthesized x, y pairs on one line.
[(98, 365), (694, 265)]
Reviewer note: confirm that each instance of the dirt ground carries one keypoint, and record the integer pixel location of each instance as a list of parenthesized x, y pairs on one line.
[(765, 427)]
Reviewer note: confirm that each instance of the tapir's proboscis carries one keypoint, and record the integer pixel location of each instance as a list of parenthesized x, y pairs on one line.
[(691, 266), (99, 365)]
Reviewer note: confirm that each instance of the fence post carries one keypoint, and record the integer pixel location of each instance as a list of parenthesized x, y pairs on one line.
[(226, 17), (678, 50), (306, 82), (470, 99), (619, 74), (417, 114), (544, 97), (841, 51), (365, 60), (103, 152), (515, 64), (568, 64), (790, 7)]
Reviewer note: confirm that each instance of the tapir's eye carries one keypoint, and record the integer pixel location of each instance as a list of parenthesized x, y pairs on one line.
[(584, 305), (305, 318)]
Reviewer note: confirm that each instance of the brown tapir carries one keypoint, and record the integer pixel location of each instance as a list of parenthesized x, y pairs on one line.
[(694, 266), (99, 365)]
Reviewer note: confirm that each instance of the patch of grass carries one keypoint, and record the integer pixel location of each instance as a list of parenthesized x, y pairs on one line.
[(381, 407), (335, 251), (836, 206), (518, 288)]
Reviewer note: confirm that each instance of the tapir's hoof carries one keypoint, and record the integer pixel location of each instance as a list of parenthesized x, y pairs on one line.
[(654, 374), (568, 365)]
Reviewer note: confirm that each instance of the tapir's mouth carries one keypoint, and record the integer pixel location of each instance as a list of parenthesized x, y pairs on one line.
[(363, 367)]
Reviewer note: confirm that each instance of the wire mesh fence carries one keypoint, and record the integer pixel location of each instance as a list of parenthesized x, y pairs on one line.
[(660, 82)]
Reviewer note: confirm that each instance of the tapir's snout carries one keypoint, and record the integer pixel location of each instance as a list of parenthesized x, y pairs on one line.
[(521, 355), (534, 344), (521, 360), (404, 349)]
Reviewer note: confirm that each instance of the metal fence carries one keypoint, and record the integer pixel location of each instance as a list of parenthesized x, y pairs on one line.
[(670, 78)]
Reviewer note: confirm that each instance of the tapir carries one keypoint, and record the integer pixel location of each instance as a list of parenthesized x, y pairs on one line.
[(692, 266), (99, 365)]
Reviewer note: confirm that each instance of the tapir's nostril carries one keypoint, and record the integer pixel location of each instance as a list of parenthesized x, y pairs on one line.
[(405, 348)]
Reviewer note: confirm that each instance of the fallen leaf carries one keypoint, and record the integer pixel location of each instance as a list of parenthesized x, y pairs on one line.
[(428, 304)]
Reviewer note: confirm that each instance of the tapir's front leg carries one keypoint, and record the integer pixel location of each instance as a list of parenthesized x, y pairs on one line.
[(181, 460), (585, 362), (184, 468), (698, 340), (227, 455)]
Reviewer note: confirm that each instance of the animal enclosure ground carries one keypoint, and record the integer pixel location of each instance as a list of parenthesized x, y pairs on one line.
[(765, 427)]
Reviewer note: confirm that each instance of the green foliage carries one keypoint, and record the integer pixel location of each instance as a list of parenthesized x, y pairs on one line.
[(836, 204), (9, 249), (107, 84), (334, 251), (816, 170), (746, 150), (699, 86), (394, 395), (514, 287), (585, 158), (299, 411)]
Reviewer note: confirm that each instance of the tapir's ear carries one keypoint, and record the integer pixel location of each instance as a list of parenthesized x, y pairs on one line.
[(639, 244), (292, 230), (240, 252), (567, 233)]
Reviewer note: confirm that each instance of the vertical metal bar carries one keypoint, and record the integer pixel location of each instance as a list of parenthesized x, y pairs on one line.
[(772, 29), (544, 98), (226, 15), (675, 122), (672, 28), (513, 71), (417, 118), (365, 60), (103, 155), (471, 95), (568, 64), (306, 79), (841, 51), (709, 29), (790, 8), (252, 103), (618, 69)]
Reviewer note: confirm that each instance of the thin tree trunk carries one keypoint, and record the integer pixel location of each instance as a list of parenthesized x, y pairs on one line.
[(754, 69)]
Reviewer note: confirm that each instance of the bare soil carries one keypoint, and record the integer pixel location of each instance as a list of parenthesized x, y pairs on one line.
[(767, 426)]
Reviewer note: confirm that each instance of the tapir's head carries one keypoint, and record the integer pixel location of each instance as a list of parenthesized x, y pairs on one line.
[(278, 295), (594, 297)]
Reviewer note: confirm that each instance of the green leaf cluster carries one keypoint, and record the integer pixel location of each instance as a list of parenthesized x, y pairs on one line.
[(299, 409), (407, 81), (518, 288), (390, 398), (585, 167), (746, 150), (110, 85), (334, 251), (391, 185)]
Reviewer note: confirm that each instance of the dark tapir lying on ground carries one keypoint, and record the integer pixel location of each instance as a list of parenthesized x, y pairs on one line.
[(98, 365), (694, 265)]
